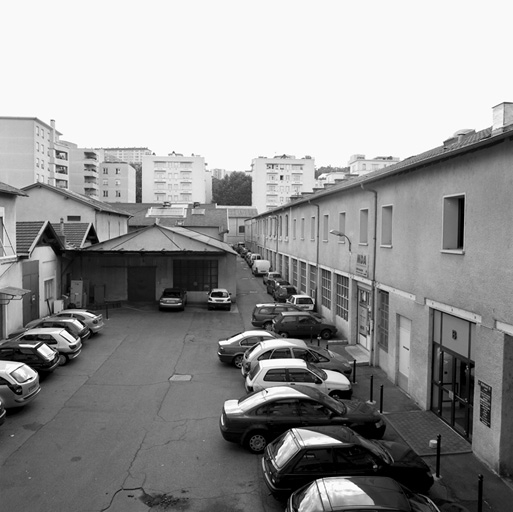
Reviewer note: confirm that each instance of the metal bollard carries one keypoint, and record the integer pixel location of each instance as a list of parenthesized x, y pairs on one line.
[(354, 371), (371, 388), (480, 494), (107, 310), (438, 452), (381, 399)]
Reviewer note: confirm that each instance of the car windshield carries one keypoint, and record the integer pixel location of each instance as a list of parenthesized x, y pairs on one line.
[(248, 352), (376, 448), (171, 293), (235, 337), (67, 336), (219, 294), (320, 373), (307, 500), (254, 399), (46, 351), (284, 449), (23, 374)]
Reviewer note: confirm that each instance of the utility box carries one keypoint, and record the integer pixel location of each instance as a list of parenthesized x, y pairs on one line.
[(78, 293)]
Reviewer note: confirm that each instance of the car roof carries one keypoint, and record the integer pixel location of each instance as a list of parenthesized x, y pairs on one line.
[(281, 304), (301, 296), (296, 313), (297, 391), (282, 342), (14, 343), (44, 330), (283, 363), (254, 332)]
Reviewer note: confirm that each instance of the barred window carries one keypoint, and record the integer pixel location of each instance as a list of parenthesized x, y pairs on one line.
[(302, 276), (293, 265), (326, 288), (49, 289), (195, 275), (313, 281), (285, 268), (342, 297), (383, 310)]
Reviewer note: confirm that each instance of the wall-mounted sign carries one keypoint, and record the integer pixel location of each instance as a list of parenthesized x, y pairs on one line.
[(485, 403), (361, 265)]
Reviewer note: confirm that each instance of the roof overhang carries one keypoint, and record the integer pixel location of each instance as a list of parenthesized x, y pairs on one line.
[(9, 293)]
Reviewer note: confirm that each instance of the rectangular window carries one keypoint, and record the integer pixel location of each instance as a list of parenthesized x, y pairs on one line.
[(302, 276), (118, 193), (454, 223), (105, 170), (285, 267), (312, 228), (294, 226), (105, 182), (74, 218), (242, 230), (302, 228), (325, 227), (342, 297), (386, 225), (118, 170), (105, 193), (326, 288), (313, 281), (117, 183), (383, 310), (293, 265), (342, 226), (364, 226), (195, 275), (49, 289)]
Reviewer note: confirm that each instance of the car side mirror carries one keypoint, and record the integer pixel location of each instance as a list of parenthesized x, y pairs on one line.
[(318, 381)]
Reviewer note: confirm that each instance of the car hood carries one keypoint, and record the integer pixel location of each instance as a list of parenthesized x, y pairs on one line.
[(336, 380)]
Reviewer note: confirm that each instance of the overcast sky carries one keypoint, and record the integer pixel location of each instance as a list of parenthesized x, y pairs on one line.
[(232, 80)]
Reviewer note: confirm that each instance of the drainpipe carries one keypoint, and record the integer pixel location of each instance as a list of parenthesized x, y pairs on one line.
[(373, 278), (317, 253)]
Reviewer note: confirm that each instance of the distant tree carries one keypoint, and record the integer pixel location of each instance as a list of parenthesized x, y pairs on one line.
[(233, 190), (329, 168)]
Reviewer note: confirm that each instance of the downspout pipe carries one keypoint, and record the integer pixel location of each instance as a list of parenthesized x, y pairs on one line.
[(317, 253), (373, 277)]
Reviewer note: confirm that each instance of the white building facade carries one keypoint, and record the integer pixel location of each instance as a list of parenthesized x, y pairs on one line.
[(175, 179), (276, 180), (130, 155), (117, 182)]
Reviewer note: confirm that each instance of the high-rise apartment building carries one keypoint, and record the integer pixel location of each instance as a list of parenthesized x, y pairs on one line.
[(130, 155), (176, 179), (84, 170), (31, 151), (219, 173), (117, 182), (276, 180)]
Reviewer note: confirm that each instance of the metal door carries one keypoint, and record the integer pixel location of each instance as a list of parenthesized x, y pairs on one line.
[(141, 284), (404, 332), (364, 318)]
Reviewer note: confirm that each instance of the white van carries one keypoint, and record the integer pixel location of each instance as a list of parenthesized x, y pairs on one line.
[(261, 267)]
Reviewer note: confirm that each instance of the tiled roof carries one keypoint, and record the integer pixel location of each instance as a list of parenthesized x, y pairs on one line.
[(94, 203), (79, 234), (30, 234), (8, 189)]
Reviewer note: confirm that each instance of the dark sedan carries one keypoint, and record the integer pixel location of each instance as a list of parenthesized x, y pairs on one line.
[(302, 455), (259, 417)]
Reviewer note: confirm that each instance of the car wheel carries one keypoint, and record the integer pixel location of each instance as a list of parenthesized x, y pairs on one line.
[(63, 359), (326, 334), (268, 326), (284, 334), (237, 361), (337, 394), (256, 441)]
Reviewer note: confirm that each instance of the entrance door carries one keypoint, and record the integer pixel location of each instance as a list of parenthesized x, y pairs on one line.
[(141, 284), (30, 281), (363, 318), (404, 352)]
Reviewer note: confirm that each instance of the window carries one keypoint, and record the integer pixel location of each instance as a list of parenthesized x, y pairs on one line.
[(281, 225), (276, 375), (242, 230), (386, 225), (383, 309), (105, 193), (117, 183), (312, 228), (325, 227), (49, 289), (294, 227), (105, 170), (118, 170), (454, 223), (342, 227), (302, 276), (118, 193), (313, 281), (342, 297), (326, 288), (37, 162), (195, 275), (364, 226), (286, 226), (74, 218), (302, 228), (293, 265), (105, 183), (42, 164)]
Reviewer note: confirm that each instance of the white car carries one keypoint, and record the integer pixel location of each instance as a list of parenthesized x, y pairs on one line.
[(93, 320), (289, 372), (303, 301), (68, 345), (219, 298), (19, 384), (271, 275)]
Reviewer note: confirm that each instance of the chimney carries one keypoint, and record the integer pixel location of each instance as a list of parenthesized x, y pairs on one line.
[(502, 116)]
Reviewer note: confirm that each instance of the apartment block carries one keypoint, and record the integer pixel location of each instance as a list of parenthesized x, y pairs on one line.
[(84, 170), (176, 179), (130, 155), (31, 151), (276, 180), (117, 182)]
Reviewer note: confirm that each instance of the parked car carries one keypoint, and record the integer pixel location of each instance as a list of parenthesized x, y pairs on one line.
[(219, 298), (93, 320), (302, 455), (263, 314), (303, 301), (72, 325), (260, 267), (297, 324), (36, 354), (290, 372), (19, 384), (294, 349), (231, 350), (247, 255), (254, 256), (283, 292), (272, 284), (68, 346), (173, 298), (258, 418), (272, 274), (2, 413), (350, 493)]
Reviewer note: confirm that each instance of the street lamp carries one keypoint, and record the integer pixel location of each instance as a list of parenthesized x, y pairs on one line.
[(339, 233)]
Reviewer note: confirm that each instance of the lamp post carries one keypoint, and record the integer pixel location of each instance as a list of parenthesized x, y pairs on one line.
[(339, 233)]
